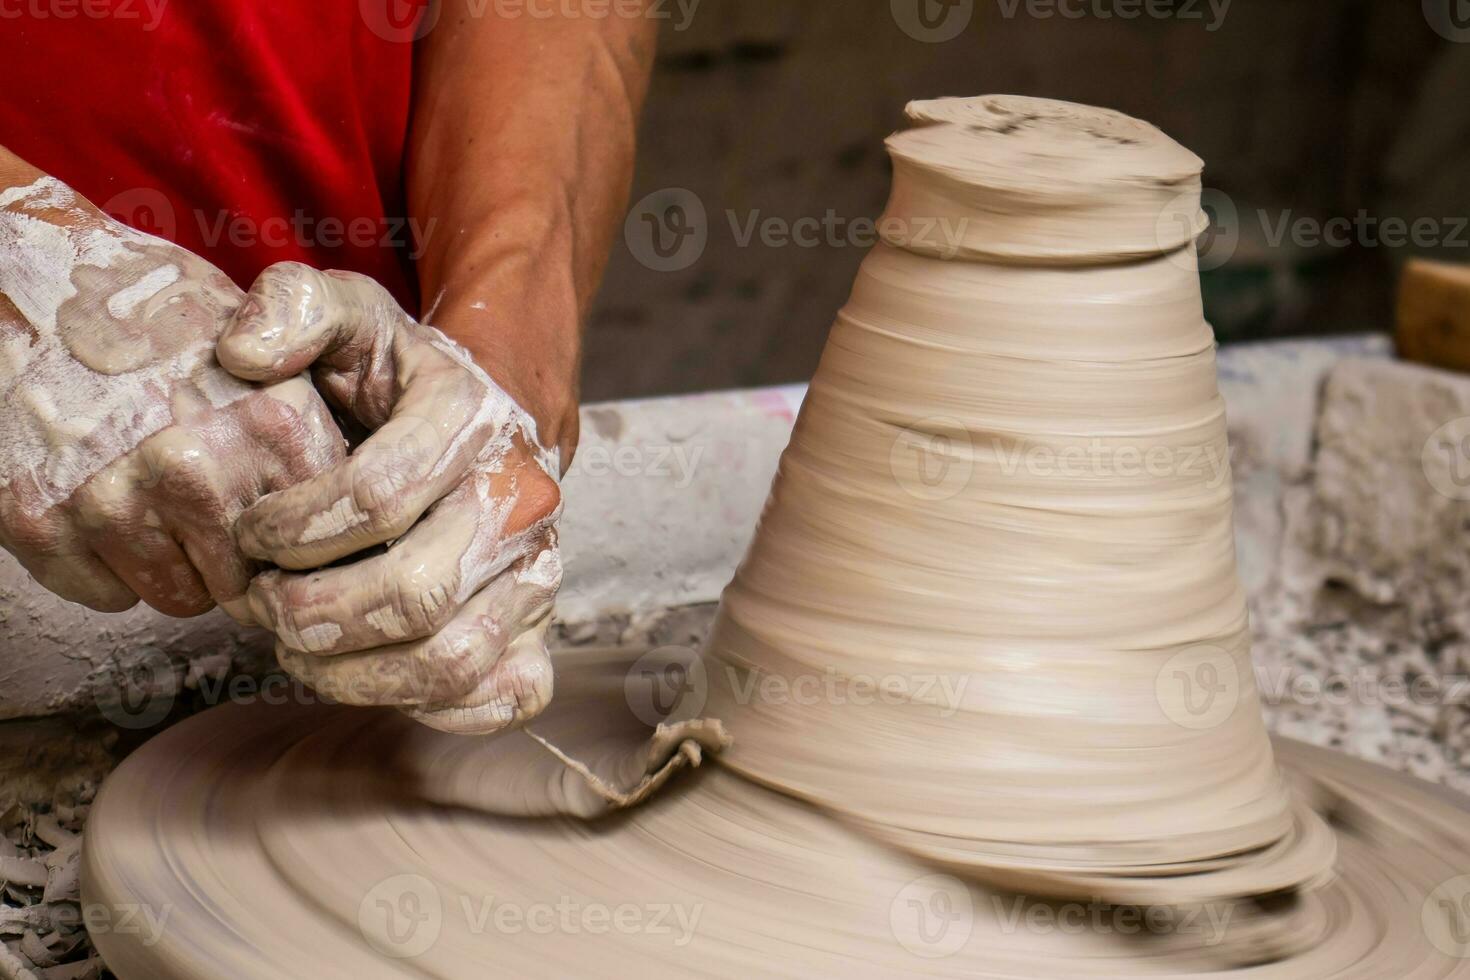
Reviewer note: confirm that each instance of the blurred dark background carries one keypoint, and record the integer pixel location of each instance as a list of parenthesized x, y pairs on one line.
[(1305, 111)]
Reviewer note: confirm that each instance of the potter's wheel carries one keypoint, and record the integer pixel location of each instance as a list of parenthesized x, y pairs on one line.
[(1062, 317), (295, 841)]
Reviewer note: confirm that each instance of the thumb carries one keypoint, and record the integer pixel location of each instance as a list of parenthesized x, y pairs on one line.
[(295, 315)]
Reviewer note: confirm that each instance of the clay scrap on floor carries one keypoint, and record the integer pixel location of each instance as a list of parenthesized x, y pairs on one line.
[(42, 920)]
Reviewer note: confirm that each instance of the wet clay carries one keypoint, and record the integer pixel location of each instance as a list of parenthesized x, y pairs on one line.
[(289, 841), (1007, 502), (447, 621), (986, 670), (126, 451)]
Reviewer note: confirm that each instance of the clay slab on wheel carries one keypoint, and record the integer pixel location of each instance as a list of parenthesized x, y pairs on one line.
[(293, 842)]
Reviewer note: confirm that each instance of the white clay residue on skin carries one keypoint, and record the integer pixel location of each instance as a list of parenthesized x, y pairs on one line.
[(78, 418), (453, 481), (343, 515), (545, 571), (486, 553), (126, 450), (41, 193), (497, 411), (388, 621), (125, 302), (37, 256), (36, 262), (317, 638)]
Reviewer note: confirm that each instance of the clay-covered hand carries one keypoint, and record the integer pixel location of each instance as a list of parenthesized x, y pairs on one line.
[(448, 622), (126, 452)]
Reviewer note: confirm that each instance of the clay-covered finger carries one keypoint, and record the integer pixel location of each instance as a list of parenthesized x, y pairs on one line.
[(121, 514), (48, 546), (76, 574), (515, 690), (172, 501), (436, 430), (433, 409), (293, 431), (187, 483), (154, 566), (414, 588), (225, 572), (281, 434), (439, 668), (294, 315)]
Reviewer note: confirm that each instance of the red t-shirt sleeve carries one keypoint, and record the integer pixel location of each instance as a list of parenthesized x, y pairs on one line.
[(249, 131)]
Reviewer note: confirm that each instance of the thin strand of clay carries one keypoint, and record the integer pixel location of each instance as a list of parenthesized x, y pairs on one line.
[(672, 748)]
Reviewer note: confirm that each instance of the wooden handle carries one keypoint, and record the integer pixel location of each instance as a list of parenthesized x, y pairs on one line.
[(1434, 314)]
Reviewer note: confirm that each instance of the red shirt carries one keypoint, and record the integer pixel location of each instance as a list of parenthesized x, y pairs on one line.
[(249, 131)]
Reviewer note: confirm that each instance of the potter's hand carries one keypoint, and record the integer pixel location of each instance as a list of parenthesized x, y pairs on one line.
[(449, 622), (126, 452)]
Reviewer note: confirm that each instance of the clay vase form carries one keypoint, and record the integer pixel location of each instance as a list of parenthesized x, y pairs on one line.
[(991, 613)]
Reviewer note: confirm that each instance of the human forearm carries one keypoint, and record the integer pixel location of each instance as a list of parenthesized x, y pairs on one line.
[(14, 171), (520, 160)]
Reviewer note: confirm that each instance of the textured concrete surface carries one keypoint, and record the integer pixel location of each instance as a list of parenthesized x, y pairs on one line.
[(662, 497), (1271, 394), (1366, 629), (1386, 424)]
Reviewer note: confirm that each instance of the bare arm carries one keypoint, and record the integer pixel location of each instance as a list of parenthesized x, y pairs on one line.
[(519, 162), (14, 171), (521, 156)]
